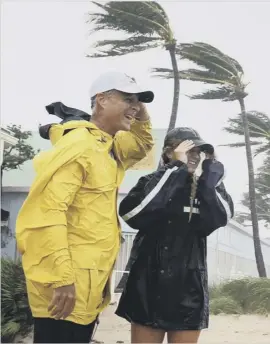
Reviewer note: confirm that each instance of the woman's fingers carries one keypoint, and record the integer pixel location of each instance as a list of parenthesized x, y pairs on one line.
[(185, 146)]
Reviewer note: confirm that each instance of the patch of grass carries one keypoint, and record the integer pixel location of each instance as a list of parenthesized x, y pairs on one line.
[(215, 291), (224, 304), (249, 295)]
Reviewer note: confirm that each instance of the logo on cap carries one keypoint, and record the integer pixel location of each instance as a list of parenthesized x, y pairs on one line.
[(132, 80)]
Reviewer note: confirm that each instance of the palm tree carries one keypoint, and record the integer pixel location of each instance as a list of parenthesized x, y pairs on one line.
[(147, 26), (259, 126), (259, 129), (262, 184), (225, 75)]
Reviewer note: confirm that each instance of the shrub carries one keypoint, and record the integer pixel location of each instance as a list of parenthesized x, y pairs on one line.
[(215, 291), (16, 317), (224, 304), (251, 295)]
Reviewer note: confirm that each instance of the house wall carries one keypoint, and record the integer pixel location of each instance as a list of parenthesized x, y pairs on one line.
[(12, 202)]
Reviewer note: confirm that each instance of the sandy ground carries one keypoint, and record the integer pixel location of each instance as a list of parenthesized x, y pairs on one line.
[(243, 329), (223, 329)]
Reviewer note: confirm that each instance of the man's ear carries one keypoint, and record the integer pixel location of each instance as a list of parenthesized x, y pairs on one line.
[(101, 100)]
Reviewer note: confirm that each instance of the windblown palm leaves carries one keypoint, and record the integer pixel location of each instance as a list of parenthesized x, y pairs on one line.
[(216, 69), (145, 23), (146, 26), (259, 129), (262, 185)]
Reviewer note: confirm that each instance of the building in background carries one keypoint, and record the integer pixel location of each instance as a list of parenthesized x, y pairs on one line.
[(7, 141), (230, 249)]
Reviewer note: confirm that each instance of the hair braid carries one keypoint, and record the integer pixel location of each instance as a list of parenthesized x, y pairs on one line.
[(192, 194)]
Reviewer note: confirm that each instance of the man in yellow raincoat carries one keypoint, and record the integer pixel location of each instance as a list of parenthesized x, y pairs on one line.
[(68, 230)]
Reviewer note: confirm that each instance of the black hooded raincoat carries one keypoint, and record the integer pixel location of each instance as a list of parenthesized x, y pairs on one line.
[(167, 286)]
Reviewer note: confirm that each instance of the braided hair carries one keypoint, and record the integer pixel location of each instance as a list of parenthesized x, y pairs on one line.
[(192, 194)]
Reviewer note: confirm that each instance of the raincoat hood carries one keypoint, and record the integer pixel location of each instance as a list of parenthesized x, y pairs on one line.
[(72, 118), (78, 118)]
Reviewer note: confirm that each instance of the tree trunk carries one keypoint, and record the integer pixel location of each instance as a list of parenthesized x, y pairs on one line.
[(176, 89), (252, 195)]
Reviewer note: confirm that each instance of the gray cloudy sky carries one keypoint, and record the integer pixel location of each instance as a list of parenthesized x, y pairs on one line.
[(43, 60)]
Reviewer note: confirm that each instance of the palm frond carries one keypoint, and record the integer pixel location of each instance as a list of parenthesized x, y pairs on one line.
[(262, 149), (204, 76), (122, 47), (259, 124), (132, 17), (211, 59), (259, 128), (239, 144), (164, 73), (212, 50), (207, 77), (224, 94)]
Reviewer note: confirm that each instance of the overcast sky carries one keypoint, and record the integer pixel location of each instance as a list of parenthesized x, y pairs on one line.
[(43, 50)]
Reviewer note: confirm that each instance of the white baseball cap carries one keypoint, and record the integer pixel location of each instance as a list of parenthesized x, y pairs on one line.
[(114, 80)]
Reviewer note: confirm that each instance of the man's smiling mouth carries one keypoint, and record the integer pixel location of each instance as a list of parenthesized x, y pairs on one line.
[(129, 117)]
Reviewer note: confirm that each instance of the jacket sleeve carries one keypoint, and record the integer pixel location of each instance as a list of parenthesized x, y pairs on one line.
[(46, 257), (146, 202), (132, 146), (216, 205)]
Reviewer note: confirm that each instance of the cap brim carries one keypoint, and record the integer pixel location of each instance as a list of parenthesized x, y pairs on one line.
[(205, 147), (144, 96)]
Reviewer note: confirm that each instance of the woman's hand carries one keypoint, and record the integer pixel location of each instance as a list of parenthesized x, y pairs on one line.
[(181, 150), (210, 156)]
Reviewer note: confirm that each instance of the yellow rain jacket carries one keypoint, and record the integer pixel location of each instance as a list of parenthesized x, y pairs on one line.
[(68, 229)]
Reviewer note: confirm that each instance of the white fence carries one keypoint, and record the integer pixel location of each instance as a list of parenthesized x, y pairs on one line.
[(223, 264)]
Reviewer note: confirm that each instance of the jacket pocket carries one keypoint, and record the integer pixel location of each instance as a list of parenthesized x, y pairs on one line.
[(89, 282)]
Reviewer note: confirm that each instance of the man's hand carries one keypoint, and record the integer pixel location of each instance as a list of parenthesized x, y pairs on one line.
[(142, 114), (181, 150), (63, 302)]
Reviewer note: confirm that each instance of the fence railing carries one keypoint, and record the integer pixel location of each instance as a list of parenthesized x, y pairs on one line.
[(222, 265)]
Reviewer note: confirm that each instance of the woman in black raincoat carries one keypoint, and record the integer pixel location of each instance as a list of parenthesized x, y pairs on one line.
[(174, 211)]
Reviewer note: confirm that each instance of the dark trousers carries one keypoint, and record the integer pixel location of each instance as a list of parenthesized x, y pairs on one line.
[(48, 330)]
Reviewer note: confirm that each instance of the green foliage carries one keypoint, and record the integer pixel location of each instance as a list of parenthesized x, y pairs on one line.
[(243, 296), (16, 318), (217, 69), (16, 155), (262, 186), (214, 291), (224, 304), (259, 129), (144, 22)]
